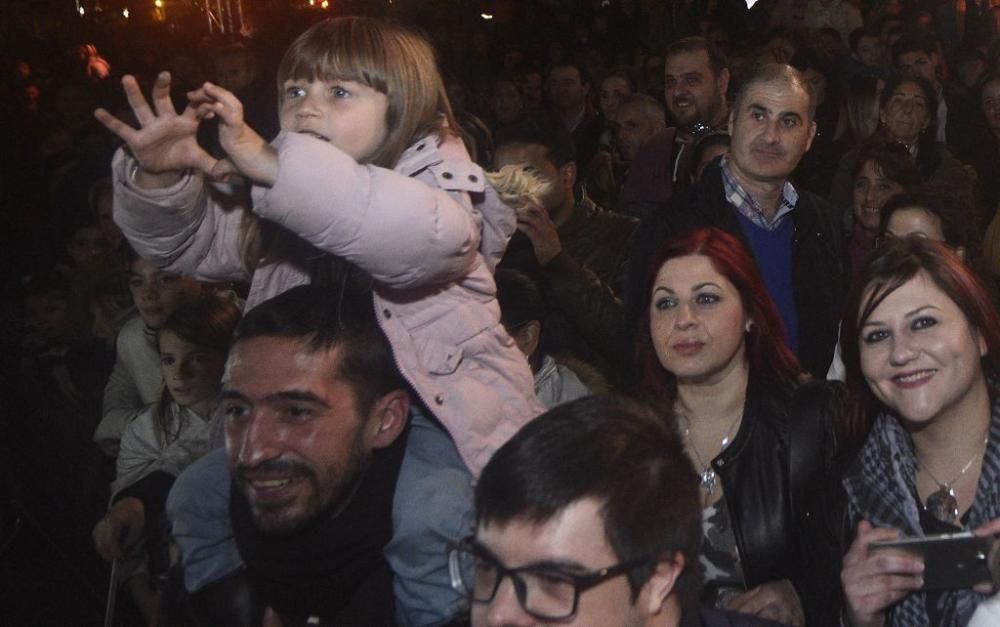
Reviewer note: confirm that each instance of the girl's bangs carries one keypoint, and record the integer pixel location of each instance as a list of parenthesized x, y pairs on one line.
[(352, 58)]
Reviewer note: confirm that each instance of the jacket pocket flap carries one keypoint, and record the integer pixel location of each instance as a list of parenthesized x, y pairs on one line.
[(438, 357)]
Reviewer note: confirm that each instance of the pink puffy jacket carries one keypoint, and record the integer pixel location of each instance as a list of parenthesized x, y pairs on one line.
[(430, 233)]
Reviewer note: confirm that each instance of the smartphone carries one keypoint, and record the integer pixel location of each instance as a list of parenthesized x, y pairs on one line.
[(951, 560)]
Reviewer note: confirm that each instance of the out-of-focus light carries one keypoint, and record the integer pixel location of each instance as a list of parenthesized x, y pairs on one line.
[(158, 4), (82, 11), (125, 13), (312, 3), (325, 4), (486, 16)]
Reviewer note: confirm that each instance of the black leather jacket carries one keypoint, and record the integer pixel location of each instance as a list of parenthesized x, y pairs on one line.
[(777, 458)]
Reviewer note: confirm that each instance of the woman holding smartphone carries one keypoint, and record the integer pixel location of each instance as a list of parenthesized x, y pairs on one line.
[(922, 351)]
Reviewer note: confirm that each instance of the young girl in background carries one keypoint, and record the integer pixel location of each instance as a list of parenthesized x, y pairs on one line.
[(367, 170), (135, 380), (166, 437)]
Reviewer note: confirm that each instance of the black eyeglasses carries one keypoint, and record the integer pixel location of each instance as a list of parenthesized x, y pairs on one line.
[(545, 592)]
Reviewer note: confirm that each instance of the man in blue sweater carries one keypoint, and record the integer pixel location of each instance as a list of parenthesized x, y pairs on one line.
[(793, 234)]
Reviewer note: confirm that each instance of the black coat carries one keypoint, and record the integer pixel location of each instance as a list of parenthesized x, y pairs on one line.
[(778, 458), (819, 275)]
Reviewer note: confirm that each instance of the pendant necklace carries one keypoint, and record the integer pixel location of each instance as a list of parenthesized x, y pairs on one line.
[(709, 480), (943, 502)]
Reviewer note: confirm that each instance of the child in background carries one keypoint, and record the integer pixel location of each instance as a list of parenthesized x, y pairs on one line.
[(523, 313), (165, 438), (135, 380), (85, 243), (367, 170)]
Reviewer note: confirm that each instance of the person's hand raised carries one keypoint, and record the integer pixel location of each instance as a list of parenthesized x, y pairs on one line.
[(165, 144), (248, 152)]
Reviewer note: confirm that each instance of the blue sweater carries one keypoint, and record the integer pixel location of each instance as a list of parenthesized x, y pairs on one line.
[(773, 253)]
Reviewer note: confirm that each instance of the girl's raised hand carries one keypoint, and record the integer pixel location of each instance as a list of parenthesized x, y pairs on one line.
[(874, 580), (165, 143), (247, 150)]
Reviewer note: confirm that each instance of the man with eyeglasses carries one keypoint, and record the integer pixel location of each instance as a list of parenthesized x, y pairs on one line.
[(588, 516)]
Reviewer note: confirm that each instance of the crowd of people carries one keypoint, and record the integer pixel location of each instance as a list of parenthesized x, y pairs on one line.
[(619, 314)]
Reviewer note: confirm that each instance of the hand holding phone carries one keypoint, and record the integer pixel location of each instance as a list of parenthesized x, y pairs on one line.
[(875, 580), (952, 560)]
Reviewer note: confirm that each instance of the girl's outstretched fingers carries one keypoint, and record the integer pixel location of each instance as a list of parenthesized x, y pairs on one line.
[(113, 124), (226, 105), (161, 95), (165, 143), (137, 101)]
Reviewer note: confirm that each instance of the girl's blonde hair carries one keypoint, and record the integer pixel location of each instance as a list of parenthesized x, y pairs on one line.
[(388, 58)]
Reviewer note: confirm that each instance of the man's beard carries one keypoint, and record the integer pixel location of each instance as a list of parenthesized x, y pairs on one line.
[(690, 115), (318, 504), (705, 114)]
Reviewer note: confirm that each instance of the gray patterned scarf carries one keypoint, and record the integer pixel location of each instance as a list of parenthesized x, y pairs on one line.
[(881, 488)]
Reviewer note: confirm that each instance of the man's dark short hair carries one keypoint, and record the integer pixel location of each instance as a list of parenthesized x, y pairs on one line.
[(580, 71), (617, 451), (717, 60), (913, 41), (520, 297), (327, 317), (986, 79), (624, 72), (527, 68), (861, 32), (505, 76), (542, 131), (775, 73)]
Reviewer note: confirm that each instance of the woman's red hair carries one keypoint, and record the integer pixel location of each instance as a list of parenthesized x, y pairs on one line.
[(768, 356)]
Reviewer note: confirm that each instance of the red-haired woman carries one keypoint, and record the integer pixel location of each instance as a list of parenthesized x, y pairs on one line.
[(922, 351), (711, 345)]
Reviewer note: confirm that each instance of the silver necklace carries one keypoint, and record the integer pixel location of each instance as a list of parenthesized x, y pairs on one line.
[(943, 502), (709, 480)]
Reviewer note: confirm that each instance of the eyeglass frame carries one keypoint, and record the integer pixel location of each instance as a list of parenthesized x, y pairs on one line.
[(582, 582)]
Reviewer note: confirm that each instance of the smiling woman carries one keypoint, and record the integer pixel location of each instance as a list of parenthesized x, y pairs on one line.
[(882, 173), (922, 349)]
